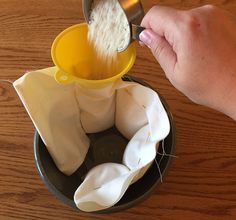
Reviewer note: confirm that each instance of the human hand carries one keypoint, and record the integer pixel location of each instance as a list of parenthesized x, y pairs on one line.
[(197, 51)]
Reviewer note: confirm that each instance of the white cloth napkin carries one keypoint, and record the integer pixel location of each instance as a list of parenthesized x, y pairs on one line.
[(63, 114)]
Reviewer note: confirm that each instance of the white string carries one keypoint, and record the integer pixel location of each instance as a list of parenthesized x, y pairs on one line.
[(167, 155), (162, 156), (159, 170), (164, 152)]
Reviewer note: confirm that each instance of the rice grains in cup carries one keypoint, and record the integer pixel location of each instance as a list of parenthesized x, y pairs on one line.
[(109, 29)]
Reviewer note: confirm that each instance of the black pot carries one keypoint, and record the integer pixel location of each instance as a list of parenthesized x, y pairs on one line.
[(64, 187)]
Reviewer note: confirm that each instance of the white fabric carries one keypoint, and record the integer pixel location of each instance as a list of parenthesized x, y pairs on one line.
[(103, 186), (130, 116), (63, 114), (54, 111), (97, 108)]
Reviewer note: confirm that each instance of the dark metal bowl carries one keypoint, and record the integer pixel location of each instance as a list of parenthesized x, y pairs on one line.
[(64, 187)]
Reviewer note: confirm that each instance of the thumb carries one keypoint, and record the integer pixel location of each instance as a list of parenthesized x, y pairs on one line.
[(161, 50)]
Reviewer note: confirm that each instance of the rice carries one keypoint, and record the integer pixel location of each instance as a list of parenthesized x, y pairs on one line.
[(109, 29)]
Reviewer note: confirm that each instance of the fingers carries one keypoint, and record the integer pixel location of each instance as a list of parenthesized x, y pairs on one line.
[(163, 21), (161, 35), (161, 49)]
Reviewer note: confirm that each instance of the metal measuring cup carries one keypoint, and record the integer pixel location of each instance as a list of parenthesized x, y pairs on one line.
[(134, 12)]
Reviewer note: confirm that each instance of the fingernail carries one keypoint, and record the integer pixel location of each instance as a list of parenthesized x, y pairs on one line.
[(145, 38)]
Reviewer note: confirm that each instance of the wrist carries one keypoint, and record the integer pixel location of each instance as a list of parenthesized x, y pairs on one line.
[(230, 102), (222, 95), (231, 112)]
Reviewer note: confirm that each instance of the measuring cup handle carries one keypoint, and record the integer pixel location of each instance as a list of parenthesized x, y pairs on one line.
[(136, 31)]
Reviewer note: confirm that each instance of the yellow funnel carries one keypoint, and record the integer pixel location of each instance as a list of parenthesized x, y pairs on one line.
[(77, 61)]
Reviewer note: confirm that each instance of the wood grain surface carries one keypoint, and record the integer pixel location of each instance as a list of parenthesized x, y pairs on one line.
[(201, 183)]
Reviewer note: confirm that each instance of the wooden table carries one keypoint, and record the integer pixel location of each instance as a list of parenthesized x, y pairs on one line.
[(202, 181)]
